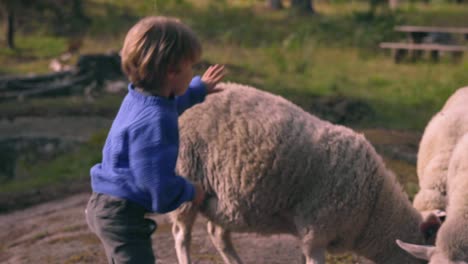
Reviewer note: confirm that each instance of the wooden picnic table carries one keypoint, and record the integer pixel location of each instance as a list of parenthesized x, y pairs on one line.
[(434, 40), (454, 30), (418, 33)]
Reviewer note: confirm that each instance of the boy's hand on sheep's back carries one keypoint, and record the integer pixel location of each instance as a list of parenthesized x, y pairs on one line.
[(212, 77), (199, 195)]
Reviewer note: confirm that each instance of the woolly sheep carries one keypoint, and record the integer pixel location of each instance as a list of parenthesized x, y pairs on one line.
[(435, 150), (443, 178), (269, 167)]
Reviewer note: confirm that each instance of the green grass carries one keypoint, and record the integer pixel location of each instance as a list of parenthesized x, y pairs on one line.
[(334, 52), (32, 54), (65, 168)]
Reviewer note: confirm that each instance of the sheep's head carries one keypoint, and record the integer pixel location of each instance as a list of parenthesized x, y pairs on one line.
[(431, 222), (451, 246)]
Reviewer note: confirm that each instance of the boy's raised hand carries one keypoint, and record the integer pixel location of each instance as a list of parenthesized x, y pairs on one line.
[(213, 76)]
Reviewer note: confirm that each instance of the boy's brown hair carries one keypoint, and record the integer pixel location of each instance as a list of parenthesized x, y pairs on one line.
[(154, 46)]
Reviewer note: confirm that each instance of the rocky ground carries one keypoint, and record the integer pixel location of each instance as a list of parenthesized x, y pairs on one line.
[(56, 232)]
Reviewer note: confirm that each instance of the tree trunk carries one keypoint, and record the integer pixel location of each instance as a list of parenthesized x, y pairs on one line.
[(275, 4), (303, 6), (393, 4), (78, 10), (10, 28)]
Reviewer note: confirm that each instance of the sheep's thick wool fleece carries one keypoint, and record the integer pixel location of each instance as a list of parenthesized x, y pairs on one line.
[(436, 149), (258, 142), (140, 153), (267, 162)]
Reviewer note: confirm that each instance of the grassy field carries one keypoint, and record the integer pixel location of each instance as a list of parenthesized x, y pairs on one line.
[(332, 53)]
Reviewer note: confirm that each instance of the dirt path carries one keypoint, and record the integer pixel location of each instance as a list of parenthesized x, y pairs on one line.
[(56, 232)]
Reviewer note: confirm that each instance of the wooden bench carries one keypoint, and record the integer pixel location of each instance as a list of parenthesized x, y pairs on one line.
[(400, 50)]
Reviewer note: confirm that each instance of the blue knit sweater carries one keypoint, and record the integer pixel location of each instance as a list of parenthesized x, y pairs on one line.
[(140, 153)]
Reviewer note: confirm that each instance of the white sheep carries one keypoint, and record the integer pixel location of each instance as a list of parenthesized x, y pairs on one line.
[(443, 179), (435, 150), (269, 167)]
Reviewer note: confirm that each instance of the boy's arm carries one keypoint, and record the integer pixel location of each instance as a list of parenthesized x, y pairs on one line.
[(195, 94), (153, 165), (200, 87)]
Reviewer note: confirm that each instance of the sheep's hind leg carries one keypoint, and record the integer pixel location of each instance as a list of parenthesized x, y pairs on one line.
[(182, 223), (221, 239)]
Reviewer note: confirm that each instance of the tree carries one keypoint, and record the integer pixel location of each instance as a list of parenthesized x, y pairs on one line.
[(303, 6), (374, 4), (275, 4), (78, 10), (10, 31), (393, 4), (63, 11), (9, 7)]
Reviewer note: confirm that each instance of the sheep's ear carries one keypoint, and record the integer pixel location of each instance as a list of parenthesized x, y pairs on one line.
[(418, 251)]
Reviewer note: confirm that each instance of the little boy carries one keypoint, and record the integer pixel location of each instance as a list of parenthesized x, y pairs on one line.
[(137, 172)]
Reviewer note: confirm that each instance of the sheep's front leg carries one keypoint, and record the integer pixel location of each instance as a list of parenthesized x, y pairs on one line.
[(221, 239), (182, 223), (314, 255), (313, 238)]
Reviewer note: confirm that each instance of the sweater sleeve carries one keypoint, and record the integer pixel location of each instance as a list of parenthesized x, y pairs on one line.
[(195, 94), (153, 165)]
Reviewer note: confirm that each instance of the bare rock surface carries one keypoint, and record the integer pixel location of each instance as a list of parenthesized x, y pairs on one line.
[(56, 232)]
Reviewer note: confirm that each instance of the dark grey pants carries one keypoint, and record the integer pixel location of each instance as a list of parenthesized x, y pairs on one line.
[(122, 228)]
